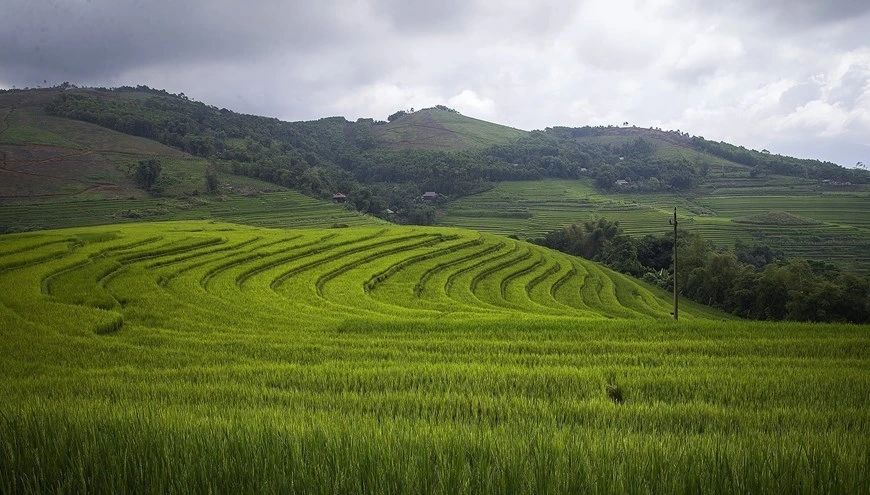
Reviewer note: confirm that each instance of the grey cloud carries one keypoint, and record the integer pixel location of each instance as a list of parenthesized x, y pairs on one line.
[(784, 14), (799, 95), (99, 37), (424, 15), (851, 87), (814, 11), (694, 63)]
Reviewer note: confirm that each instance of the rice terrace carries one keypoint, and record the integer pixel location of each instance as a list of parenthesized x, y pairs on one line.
[(226, 328), (206, 356)]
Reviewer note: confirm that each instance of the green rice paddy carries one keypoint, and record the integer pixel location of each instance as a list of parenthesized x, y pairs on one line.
[(210, 357), (838, 229), (284, 209)]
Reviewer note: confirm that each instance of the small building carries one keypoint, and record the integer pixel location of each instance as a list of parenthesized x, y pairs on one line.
[(429, 195), (621, 183), (339, 198), (583, 170), (390, 212)]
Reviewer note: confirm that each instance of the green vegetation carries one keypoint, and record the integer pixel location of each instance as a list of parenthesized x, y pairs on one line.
[(47, 159), (316, 158), (837, 228), (441, 129), (203, 356), (751, 281), (775, 218), (210, 357), (147, 173), (709, 157), (384, 166), (285, 209)]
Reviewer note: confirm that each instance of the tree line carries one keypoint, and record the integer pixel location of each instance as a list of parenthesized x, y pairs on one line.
[(750, 281)]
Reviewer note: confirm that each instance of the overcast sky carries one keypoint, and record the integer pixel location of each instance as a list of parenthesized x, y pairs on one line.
[(792, 76)]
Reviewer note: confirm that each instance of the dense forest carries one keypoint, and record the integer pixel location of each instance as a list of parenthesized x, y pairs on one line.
[(751, 281)]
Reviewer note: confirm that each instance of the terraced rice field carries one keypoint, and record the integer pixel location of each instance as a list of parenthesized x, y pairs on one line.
[(840, 232), (287, 209), (211, 357)]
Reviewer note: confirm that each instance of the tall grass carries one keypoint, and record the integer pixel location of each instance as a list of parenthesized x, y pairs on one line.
[(199, 357)]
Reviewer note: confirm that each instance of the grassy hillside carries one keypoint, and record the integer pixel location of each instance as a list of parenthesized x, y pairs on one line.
[(836, 227), (733, 193), (417, 273), (436, 129), (667, 146), (209, 357), (59, 172), (46, 158)]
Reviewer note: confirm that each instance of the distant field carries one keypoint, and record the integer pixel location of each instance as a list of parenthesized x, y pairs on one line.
[(839, 231), (210, 357), (286, 209)]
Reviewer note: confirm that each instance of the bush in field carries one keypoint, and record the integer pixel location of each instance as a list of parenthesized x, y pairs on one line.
[(147, 172), (211, 180)]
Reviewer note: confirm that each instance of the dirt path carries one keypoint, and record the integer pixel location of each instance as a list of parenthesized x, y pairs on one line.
[(54, 158), (5, 122), (88, 189)]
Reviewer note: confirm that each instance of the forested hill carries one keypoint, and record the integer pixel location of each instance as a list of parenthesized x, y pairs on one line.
[(383, 165), (657, 145)]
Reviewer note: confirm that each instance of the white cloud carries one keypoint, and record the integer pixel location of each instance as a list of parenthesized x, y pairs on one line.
[(470, 103)]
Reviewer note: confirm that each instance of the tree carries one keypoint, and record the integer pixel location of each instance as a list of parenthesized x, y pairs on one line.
[(147, 172), (396, 115), (211, 180)]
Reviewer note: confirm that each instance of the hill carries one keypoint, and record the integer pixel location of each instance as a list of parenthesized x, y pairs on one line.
[(70, 143), (50, 158), (414, 273), (442, 129), (211, 357)]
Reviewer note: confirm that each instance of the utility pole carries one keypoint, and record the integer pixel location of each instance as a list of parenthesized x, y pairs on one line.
[(676, 298)]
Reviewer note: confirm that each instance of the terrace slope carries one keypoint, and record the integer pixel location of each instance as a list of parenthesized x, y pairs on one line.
[(197, 357), (206, 275), (798, 217)]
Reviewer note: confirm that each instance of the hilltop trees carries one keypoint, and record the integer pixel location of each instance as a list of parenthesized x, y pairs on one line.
[(396, 115)]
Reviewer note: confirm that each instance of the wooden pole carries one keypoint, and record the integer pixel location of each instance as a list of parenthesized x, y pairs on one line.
[(676, 297)]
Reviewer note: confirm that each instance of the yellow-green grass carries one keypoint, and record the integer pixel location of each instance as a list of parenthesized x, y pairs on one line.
[(838, 227), (212, 357)]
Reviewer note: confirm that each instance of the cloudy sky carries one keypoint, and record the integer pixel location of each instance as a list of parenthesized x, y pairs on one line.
[(792, 76)]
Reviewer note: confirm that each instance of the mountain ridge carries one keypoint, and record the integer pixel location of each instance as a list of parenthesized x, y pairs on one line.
[(380, 164)]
